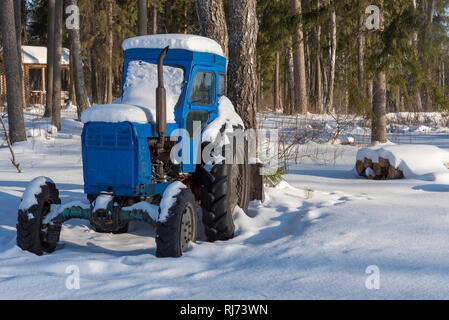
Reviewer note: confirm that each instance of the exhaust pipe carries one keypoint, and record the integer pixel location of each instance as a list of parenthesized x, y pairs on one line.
[(161, 100)]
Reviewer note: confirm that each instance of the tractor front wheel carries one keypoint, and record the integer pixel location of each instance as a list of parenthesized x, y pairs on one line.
[(32, 234), (174, 235)]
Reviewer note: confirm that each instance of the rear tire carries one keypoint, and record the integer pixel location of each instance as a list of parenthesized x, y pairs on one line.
[(174, 235), (223, 188), (32, 235), (218, 200)]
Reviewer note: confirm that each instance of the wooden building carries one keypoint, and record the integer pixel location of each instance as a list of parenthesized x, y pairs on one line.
[(34, 66)]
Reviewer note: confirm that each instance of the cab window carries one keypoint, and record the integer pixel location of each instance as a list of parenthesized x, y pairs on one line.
[(203, 89)]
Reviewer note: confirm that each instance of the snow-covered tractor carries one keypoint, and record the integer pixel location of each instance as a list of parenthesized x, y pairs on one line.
[(156, 153)]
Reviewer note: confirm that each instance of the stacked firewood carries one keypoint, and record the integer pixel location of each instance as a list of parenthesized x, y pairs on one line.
[(382, 170)]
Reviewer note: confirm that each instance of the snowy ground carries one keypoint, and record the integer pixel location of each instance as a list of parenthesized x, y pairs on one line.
[(313, 238)]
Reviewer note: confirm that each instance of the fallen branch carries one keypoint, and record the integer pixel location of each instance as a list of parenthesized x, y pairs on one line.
[(13, 159)]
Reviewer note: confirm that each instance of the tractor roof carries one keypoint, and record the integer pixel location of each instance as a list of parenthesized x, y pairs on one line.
[(192, 43)]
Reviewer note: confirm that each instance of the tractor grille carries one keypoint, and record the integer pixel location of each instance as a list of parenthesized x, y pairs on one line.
[(109, 136), (110, 157)]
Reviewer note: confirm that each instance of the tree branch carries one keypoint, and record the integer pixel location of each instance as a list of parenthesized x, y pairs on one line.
[(13, 157)]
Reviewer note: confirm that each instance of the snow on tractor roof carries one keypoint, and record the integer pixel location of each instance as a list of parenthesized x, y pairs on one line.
[(174, 41)]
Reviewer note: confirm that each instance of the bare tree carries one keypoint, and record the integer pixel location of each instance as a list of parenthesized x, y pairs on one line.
[(57, 74), (242, 75), (212, 20), (143, 17), (301, 100), (77, 70), (12, 72), (50, 58)]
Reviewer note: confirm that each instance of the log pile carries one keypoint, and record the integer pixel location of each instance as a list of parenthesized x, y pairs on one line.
[(382, 170)]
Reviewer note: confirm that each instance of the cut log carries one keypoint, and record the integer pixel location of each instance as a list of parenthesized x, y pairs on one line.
[(377, 169), (384, 163), (360, 168), (394, 173), (367, 163)]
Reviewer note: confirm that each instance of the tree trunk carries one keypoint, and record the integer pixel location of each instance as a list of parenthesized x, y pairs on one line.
[(72, 92), (57, 75), (110, 76), (242, 81), (50, 58), (430, 8), (330, 95), (18, 22), (318, 77), (429, 103), (301, 101), (77, 70), (276, 86), (12, 72), (154, 29), (361, 52), (143, 17), (259, 100), (212, 21), (417, 93), (379, 124), (443, 79), (291, 81), (93, 80), (379, 121)]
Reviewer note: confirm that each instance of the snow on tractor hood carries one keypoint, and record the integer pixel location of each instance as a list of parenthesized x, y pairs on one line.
[(174, 41), (138, 103)]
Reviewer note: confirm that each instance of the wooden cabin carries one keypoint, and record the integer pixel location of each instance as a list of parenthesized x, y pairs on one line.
[(34, 67)]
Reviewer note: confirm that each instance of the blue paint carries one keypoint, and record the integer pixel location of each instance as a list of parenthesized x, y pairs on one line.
[(116, 156)]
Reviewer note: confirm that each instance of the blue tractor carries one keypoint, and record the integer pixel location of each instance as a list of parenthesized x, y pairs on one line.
[(128, 150)]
